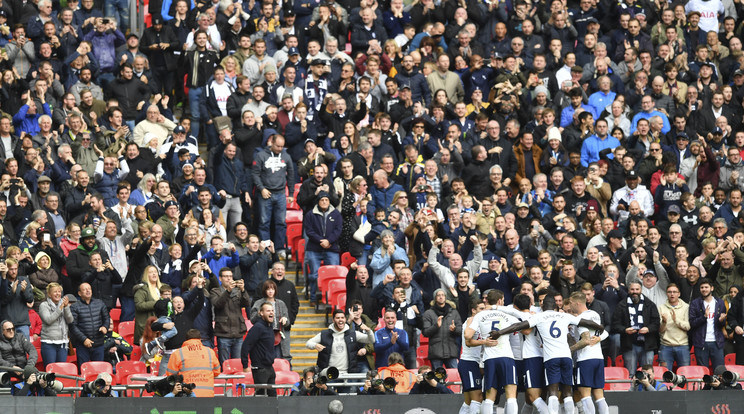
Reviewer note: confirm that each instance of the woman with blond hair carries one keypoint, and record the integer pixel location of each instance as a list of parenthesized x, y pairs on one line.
[(55, 315), (145, 296), (401, 205)]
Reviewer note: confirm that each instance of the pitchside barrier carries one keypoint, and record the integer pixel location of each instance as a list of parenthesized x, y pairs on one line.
[(670, 402)]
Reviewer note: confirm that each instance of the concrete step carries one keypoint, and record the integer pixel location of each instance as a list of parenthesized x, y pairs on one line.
[(309, 329)]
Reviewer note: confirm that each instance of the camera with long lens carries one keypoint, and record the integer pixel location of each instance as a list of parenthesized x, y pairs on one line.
[(94, 387), (328, 374), (389, 383), (8, 377), (639, 376), (439, 374), (676, 380), (710, 379), (165, 385), (730, 377)]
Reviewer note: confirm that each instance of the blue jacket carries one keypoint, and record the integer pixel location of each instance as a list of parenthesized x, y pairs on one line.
[(643, 115), (592, 146), (419, 87), (223, 261), (104, 47), (383, 198), (29, 123), (699, 321), (382, 265), (319, 226), (384, 346)]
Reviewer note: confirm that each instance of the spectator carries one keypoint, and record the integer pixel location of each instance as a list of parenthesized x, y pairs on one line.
[(638, 328), (442, 324), (228, 299), (90, 324), (707, 322)]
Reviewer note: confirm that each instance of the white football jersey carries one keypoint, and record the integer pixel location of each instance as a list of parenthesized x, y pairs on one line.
[(471, 353), (516, 339), (490, 320), (594, 351), (553, 329), (532, 346)]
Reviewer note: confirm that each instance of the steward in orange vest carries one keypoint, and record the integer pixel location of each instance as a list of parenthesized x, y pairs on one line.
[(197, 364)]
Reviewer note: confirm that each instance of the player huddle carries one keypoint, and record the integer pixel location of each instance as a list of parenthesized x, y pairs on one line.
[(525, 348)]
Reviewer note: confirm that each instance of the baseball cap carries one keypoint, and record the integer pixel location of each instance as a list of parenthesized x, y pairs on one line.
[(179, 130), (673, 209), (615, 234), (157, 20), (649, 272), (308, 140), (682, 135), (631, 175), (87, 232), (323, 194), (318, 62), (717, 130), (170, 203), (293, 51), (738, 72), (523, 205)]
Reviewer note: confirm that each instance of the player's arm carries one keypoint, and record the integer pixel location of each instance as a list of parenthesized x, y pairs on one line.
[(510, 329), (586, 340), (586, 323)]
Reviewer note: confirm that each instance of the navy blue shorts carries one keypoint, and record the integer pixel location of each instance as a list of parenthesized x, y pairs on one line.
[(499, 373), (533, 373), (519, 365), (590, 373), (559, 371), (470, 375)]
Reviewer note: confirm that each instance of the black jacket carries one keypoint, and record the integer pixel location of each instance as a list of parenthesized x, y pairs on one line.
[(13, 352), (88, 318)]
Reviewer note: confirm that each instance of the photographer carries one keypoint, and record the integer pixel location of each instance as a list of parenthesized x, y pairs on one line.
[(717, 381), (35, 385), (181, 390), (310, 384), (100, 388), (377, 386), (644, 380), (430, 382)]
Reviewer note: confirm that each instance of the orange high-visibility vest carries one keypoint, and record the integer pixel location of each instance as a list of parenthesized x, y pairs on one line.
[(197, 364)]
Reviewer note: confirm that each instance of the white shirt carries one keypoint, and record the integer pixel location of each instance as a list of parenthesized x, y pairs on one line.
[(471, 353), (593, 351), (710, 315), (709, 11), (553, 329), (490, 320)]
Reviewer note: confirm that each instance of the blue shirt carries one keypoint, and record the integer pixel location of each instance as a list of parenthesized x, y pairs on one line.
[(593, 145), (384, 345), (599, 100), (649, 115), (568, 112)]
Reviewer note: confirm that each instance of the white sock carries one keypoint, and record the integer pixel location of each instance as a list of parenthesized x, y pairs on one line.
[(588, 405), (475, 407), (511, 406), (540, 406), (527, 408), (487, 407), (464, 409), (553, 405), (568, 405), (602, 406)]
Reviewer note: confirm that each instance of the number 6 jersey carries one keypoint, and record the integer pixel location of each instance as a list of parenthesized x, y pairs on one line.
[(553, 329)]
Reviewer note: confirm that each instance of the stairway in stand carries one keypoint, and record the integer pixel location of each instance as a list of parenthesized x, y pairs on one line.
[(307, 325)]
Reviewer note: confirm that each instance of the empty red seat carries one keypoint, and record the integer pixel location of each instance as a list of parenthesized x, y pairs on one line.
[(64, 368), (90, 370), (231, 366), (616, 373), (127, 368), (281, 365)]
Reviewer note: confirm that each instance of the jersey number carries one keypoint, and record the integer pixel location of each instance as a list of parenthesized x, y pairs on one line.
[(555, 332), (495, 325)]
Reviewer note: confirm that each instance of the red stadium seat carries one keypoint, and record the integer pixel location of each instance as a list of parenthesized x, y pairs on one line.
[(328, 272), (294, 216), (730, 359), (231, 366), (282, 365), (64, 368), (126, 368), (340, 302), (136, 354), (616, 373), (659, 371), (286, 377), (89, 370), (126, 330), (422, 351), (115, 315), (299, 258), (294, 234), (693, 372), (453, 376), (335, 288)]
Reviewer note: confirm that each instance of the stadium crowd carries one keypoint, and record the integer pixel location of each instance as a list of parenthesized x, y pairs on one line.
[(451, 147)]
